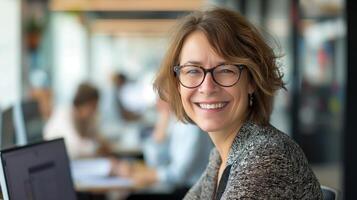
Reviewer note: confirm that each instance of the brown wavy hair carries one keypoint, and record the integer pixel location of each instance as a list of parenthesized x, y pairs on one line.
[(237, 41)]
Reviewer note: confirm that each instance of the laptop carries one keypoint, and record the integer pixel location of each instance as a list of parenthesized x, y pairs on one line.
[(39, 171)]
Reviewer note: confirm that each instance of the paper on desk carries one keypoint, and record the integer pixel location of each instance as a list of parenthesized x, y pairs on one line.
[(89, 167), (103, 182), (94, 173)]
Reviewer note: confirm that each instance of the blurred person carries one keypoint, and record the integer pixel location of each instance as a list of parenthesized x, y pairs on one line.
[(44, 98), (221, 75), (77, 124), (175, 154), (40, 92), (120, 81)]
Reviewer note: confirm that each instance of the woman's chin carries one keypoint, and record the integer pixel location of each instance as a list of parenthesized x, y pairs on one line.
[(209, 128)]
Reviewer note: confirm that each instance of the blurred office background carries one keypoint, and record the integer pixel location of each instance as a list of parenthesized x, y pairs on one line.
[(48, 47)]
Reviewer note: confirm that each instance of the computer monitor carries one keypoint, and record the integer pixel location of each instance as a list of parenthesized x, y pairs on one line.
[(7, 130), (38, 171), (28, 122)]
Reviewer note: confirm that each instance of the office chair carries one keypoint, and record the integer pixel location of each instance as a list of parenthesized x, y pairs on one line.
[(28, 122), (329, 193), (7, 129)]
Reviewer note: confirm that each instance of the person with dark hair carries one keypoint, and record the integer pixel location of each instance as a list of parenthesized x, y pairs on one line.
[(78, 125), (178, 168), (221, 75), (86, 93), (120, 80)]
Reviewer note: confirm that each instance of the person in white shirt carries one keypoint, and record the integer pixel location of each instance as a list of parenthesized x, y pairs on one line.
[(77, 125), (176, 154)]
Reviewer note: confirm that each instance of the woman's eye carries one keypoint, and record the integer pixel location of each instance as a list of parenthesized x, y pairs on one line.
[(226, 71), (193, 71)]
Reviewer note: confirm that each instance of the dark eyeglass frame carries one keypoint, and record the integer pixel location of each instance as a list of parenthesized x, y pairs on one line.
[(205, 71)]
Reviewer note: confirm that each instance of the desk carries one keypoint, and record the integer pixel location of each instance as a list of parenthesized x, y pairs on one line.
[(103, 184), (91, 177), (93, 174), (120, 187), (103, 188)]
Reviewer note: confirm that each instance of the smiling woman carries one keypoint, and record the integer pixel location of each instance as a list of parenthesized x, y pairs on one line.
[(214, 107), (220, 74)]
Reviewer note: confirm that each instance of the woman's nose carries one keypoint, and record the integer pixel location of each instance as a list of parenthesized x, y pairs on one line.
[(208, 85)]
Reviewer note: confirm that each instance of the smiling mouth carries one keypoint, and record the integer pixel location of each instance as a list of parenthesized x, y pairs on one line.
[(211, 106)]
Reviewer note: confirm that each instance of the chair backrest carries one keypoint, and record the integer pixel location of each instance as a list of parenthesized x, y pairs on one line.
[(329, 193), (7, 129), (28, 122)]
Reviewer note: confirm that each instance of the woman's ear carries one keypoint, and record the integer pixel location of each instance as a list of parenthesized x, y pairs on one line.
[(251, 86), (251, 83)]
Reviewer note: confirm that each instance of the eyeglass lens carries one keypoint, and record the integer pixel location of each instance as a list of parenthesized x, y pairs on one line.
[(225, 75)]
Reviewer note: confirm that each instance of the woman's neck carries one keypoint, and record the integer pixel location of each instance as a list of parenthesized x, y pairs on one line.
[(223, 141)]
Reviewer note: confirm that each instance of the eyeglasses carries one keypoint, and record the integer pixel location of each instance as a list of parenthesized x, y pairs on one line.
[(192, 76)]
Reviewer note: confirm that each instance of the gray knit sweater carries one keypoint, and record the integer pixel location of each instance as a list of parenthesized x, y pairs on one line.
[(265, 164)]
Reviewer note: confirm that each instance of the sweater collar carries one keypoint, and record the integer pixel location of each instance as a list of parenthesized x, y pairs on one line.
[(238, 143)]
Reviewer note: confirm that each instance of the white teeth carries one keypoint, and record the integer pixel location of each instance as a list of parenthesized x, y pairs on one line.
[(211, 106)]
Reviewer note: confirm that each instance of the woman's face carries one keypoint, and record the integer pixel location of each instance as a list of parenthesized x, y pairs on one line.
[(212, 107), (87, 110)]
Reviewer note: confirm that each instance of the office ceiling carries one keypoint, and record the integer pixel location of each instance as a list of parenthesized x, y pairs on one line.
[(128, 17)]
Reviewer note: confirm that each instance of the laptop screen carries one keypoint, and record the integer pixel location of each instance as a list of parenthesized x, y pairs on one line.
[(37, 172)]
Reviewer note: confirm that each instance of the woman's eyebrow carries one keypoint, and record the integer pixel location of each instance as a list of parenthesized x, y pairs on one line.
[(193, 62), (200, 63)]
